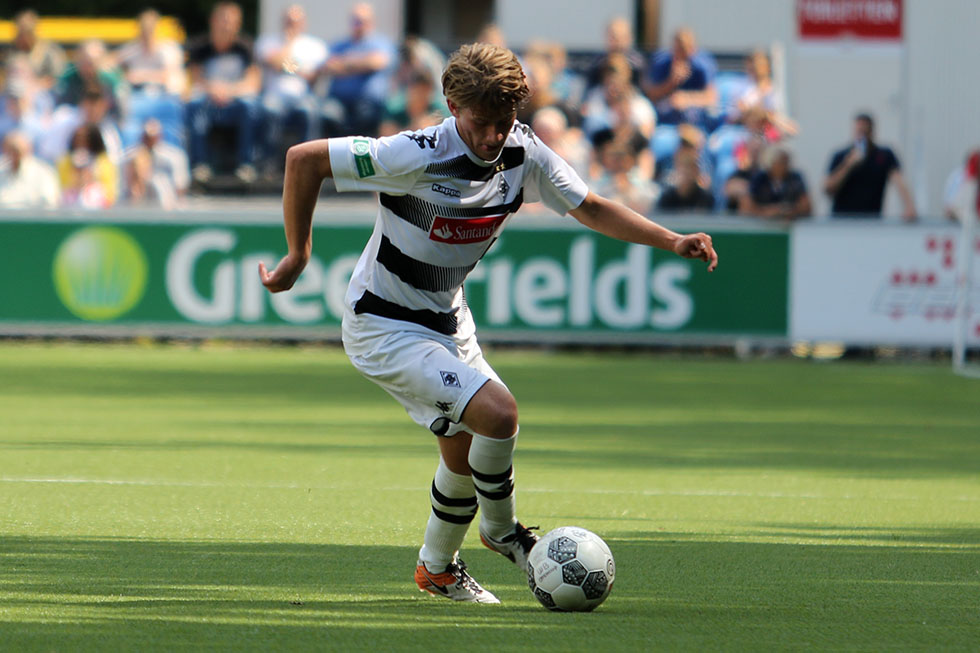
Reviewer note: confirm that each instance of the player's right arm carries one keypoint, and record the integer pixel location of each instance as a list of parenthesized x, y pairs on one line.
[(307, 165)]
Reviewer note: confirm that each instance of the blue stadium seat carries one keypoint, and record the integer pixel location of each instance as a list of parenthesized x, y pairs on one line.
[(730, 86), (664, 141)]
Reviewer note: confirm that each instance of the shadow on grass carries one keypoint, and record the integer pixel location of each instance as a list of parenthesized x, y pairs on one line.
[(672, 592)]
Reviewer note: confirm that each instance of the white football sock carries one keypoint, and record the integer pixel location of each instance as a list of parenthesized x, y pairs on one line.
[(492, 463), (453, 508)]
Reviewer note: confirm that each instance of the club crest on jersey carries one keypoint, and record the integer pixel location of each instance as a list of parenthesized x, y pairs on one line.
[(503, 188), (449, 379), (462, 231)]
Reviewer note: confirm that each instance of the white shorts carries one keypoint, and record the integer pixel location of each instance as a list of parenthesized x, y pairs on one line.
[(433, 376)]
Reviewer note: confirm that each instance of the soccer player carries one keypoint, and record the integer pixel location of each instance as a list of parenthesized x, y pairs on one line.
[(446, 192)]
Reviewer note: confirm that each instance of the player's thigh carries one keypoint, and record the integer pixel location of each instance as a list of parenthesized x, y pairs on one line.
[(424, 374)]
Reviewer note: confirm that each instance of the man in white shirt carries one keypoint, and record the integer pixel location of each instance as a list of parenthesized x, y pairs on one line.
[(26, 181), (445, 194), (291, 62), (154, 68)]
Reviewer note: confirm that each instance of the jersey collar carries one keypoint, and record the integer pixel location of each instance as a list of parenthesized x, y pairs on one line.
[(483, 163)]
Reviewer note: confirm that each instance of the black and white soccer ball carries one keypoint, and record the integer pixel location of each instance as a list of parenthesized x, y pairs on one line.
[(571, 569)]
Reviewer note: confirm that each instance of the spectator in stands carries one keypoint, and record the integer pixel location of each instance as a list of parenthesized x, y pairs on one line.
[(680, 82), (225, 82), (691, 139), (90, 70), (156, 171), (414, 109), (85, 189), (685, 193), (358, 68), (619, 41), (777, 190), (418, 55), (17, 114), (26, 181), (760, 94), (858, 174), (88, 177), (961, 196), (154, 69), (537, 69), (291, 60), (567, 87), (736, 189), (616, 102), (492, 34), (621, 178), (45, 59), (93, 110), (551, 127)]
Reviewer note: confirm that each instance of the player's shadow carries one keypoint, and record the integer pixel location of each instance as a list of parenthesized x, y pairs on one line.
[(124, 594), (762, 590)]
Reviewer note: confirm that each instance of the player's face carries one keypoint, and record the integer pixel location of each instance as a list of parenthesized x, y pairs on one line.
[(483, 133)]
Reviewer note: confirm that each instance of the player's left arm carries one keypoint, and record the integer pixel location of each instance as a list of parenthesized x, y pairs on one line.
[(617, 221)]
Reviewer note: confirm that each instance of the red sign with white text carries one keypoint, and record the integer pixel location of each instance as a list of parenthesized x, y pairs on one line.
[(461, 231), (859, 19)]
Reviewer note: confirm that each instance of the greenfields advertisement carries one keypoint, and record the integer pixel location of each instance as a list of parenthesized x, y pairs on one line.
[(572, 284)]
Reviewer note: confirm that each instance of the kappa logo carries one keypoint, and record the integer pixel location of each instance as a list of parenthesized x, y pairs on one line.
[(422, 140), (462, 231), (444, 406), (445, 190), (449, 379)]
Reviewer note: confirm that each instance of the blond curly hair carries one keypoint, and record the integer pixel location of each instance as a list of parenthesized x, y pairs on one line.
[(485, 77)]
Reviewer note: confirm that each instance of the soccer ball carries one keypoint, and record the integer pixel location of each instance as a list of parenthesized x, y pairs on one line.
[(571, 569)]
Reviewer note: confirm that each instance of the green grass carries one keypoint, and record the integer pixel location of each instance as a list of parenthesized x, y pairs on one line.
[(244, 498)]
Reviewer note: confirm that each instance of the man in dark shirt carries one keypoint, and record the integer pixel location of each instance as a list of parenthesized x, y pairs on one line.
[(684, 193), (681, 82), (858, 174), (777, 191), (225, 83)]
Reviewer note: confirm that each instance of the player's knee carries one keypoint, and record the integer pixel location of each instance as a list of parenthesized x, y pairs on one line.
[(503, 423)]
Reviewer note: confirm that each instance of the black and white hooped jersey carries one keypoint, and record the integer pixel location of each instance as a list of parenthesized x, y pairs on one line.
[(441, 208)]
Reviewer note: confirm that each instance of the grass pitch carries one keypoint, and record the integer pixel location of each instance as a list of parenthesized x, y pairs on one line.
[(169, 498)]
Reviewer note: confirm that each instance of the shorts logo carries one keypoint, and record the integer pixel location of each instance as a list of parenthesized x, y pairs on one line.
[(362, 158), (444, 406), (448, 192), (449, 379), (462, 231)]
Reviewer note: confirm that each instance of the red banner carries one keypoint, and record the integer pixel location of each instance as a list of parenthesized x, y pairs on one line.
[(860, 19)]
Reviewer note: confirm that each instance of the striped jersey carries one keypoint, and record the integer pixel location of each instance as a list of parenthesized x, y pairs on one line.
[(441, 208)]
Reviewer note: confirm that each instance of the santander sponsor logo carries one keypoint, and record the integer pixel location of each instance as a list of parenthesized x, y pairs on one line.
[(460, 231)]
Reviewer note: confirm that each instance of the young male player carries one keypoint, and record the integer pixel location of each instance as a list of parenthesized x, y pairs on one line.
[(445, 194)]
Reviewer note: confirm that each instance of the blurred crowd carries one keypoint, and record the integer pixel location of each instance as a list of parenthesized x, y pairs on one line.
[(145, 122)]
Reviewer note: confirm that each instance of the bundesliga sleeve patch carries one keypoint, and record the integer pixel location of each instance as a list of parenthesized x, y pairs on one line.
[(362, 158)]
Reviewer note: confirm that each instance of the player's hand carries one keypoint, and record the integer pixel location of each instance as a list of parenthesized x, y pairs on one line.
[(285, 274), (697, 246)]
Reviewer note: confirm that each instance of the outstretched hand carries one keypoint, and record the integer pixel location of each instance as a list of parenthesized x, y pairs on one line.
[(284, 275), (698, 246)]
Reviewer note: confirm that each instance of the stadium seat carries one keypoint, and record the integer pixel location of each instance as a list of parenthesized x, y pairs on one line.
[(730, 85), (664, 142)]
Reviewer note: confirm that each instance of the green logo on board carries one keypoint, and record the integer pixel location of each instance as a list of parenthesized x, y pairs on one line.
[(100, 273)]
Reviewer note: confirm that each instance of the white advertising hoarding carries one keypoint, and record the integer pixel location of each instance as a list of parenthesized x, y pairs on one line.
[(878, 283)]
